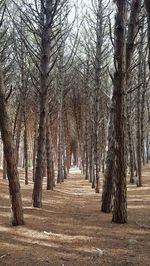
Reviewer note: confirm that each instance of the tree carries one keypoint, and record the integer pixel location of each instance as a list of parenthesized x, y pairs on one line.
[(108, 186), (7, 138), (120, 196), (12, 172), (49, 41), (46, 19), (147, 5)]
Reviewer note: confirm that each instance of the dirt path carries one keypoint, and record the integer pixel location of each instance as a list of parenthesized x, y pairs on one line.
[(69, 228)]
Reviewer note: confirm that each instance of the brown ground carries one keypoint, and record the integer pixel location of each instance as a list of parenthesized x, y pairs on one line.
[(69, 228)]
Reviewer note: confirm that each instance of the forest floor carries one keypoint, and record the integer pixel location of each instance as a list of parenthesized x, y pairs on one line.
[(70, 230)]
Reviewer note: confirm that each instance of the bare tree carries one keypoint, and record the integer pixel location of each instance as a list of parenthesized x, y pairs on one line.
[(147, 5), (7, 138), (120, 198)]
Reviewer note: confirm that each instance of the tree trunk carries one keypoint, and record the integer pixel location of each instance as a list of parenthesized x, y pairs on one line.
[(37, 190), (132, 32), (91, 157), (35, 145), (50, 173), (110, 161), (138, 117), (143, 101), (86, 151), (18, 134), (64, 162), (108, 188), (67, 140), (12, 172), (147, 147), (120, 196), (147, 5), (45, 20), (44, 173), (4, 166), (130, 144), (98, 63), (60, 154), (25, 150), (93, 180), (60, 177)]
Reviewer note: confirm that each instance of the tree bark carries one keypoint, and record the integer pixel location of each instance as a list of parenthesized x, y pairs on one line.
[(108, 188), (86, 151), (147, 5), (98, 62), (120, 196), (60, 175), (50, 173), (25, 150), (110, 162), (18, 134), (132, 32), (91, 156), (4, 166), (12, 172), (130, 140), (67, 140), (44, 79), (147, 147), (138, 115), (35, 144), (143, 101)]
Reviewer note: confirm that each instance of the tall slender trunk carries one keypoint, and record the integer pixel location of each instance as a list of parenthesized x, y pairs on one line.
[(44, 172), (4, 166), (103, 140), (86, 117), (16, 119), (138, 139), (67, 141), (79, 146), (45, 20), (120, 196), (132, 32), (86, 151), (108, 188), (60, 154), (138, 116), (64, 162), (25, 150), (90, 153), (143, 101), (18, 134), (98, 63), (148, 132), (147, 5), (60, 176), (130, 141), (12, 172), (50, 173), (110, 158), (134, 156), (35, 144), (147, 147), (38, 182)]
